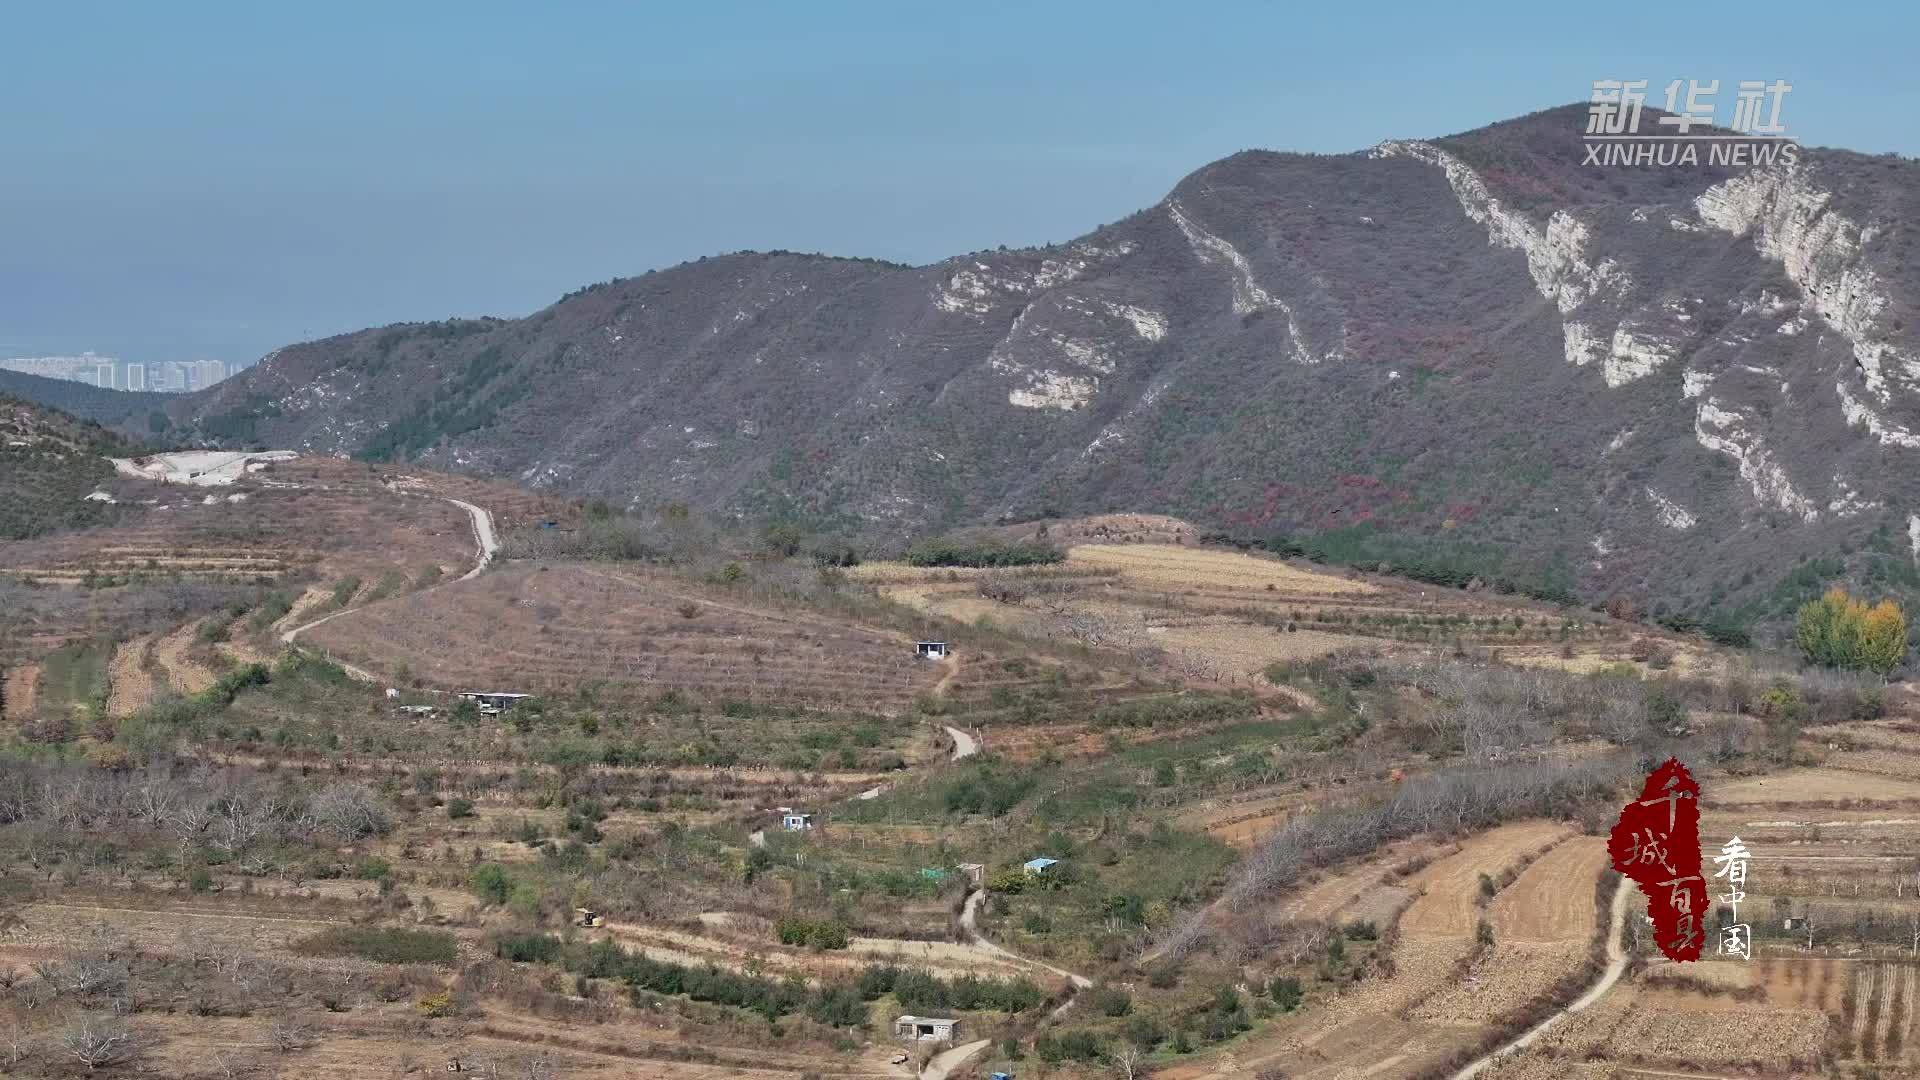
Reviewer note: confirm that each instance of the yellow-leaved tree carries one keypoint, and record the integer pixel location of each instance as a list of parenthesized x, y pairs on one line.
[(1883, 637), (1840, 631)]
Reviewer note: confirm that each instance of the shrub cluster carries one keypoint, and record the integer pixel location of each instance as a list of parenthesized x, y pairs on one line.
[(1183, 711), (386, 945), (988, 792), (841, 1003), (811, 933), (949, 551), (922, 991)]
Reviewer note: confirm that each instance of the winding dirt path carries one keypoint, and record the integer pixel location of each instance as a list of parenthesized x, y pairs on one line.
[(952, 663), (970, 923), (485, 547), (483, 537)]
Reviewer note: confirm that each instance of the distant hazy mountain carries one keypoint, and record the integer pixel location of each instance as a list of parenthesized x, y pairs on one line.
[(131, 409), (1469, 354)]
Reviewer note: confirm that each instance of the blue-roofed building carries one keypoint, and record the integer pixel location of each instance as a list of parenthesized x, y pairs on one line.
[(1039, 866)]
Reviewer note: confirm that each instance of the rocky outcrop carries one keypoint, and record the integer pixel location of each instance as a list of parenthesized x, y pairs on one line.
[(1824, 252)]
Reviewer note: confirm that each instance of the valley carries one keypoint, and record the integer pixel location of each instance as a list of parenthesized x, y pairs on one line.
[(1217, 646), (243, 788)]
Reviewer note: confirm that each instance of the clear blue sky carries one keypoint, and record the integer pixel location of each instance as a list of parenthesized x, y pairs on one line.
[(214, 179)]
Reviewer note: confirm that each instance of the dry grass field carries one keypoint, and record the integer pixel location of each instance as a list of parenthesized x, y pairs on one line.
[(1813, 787), (1219, 616), (1211, 570)]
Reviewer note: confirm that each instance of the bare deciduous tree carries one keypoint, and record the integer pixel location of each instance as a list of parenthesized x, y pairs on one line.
[(1129, 1062), (345, 813), (95, 1040), (288, 1034)]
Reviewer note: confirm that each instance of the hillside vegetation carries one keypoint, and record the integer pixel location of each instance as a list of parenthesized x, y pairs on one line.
[(49, 463), (1467, 359)]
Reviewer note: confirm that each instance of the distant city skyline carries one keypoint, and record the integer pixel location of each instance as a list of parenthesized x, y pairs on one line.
[(115, 373)]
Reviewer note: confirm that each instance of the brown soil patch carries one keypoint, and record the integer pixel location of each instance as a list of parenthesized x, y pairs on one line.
[(130, 688), (18, 691), (1811, 786), (1175, 566), (541, 628)]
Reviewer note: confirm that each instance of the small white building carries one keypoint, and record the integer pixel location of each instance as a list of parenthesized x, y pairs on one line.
[(924, 1029), (492, 703), (794, 820), (930, 650)]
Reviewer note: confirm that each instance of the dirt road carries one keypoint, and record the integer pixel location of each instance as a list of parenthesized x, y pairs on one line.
[(1616, 964), (969, 923), (945, 1063), (482, 535), (964, 745), (486, 546)]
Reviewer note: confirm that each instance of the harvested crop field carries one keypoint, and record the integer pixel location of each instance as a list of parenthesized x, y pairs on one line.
[(1371, 890), (1239, 648), (1812, 786), (1898, 764), (1540, 934), (1448, 906), (1554, 898), (546, 629), (1380, 1027), (184, 673), (1657, 1027), (1176, 566)]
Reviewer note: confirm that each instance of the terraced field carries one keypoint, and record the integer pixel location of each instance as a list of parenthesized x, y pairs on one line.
[(1398, 1026), (1222, 616), (542, 629)]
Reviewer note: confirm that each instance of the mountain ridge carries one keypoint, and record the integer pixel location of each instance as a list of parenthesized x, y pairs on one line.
[(1469, 353)]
